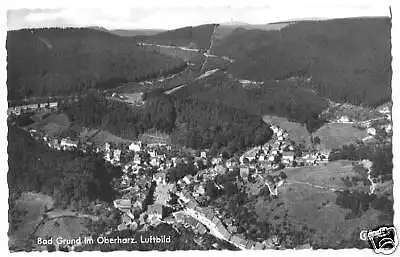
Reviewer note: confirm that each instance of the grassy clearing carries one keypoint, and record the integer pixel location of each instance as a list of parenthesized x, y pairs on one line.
[(302, 205), (52, 125), (60, 119), (104, 136), (327, 176), (385, 188), (177, 52), (297, 132), (154, 138), (335, 135), (215, 63), (33, 205)]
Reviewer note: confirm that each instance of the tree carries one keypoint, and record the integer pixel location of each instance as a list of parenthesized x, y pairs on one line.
[(317, 140), (211, 189)]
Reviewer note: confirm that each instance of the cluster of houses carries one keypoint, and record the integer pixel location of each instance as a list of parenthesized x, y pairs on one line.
[(144, 166), (18, 110), (276, 154), (148, 164), (187, 221), (57, 143), (212, 220)]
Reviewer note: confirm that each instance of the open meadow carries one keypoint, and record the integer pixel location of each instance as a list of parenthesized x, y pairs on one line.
[(335, 135), (302, 205), (52, 125), (329, 176), (32, 206)]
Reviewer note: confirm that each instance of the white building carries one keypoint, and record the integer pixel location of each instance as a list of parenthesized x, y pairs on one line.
[(53, 105), (135, 147), (153, 153), (274, 129), (107, 147), (160, 178), (344, 119), (288, 157), (65, 142), (137, 159), (371, 131), (117, 155)]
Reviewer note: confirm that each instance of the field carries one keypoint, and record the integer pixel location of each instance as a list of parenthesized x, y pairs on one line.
[(297, 132), (214, 62), (385, 188), (302, 205), (176, 52), (154, 138), (33, 206), (327, 176), (52, 125), (104, 136), (130, 98), (335, 135)]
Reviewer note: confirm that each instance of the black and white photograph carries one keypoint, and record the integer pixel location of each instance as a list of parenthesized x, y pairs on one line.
[(168, 127)]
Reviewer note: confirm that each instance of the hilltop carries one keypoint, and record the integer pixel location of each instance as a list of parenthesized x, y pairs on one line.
[(198, 37), (347, 60), (61, 61), (128, 32)]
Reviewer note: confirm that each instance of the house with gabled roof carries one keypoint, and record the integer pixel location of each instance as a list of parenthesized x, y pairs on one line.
[(244, 172), (287, 157), (155, 211), (123, 204), (160, 178), (259, 246)]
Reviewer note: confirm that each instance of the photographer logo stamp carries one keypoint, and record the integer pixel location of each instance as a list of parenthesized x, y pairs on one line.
[(382, 239)]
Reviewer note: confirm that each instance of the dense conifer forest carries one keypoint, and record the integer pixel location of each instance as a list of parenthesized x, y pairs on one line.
[(193, 123), (59, 61), (348, 60)]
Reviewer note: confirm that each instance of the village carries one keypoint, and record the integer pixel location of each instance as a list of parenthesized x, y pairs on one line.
[(147, 187), (146, 169)]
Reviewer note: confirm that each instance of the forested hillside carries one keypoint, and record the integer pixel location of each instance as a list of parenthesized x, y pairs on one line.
[(191, 122), (60, 61), (349, 60), (285, 99), (203, 124), (71, 179), (122, 119), (198, 37)]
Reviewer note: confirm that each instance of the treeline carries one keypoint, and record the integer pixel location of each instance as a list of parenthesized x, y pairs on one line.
[(349, 60), (72, 179), (193, 123), (284, 99), (359, 202), (198, 37), (202, 124), (55, 61), (381, 157)]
